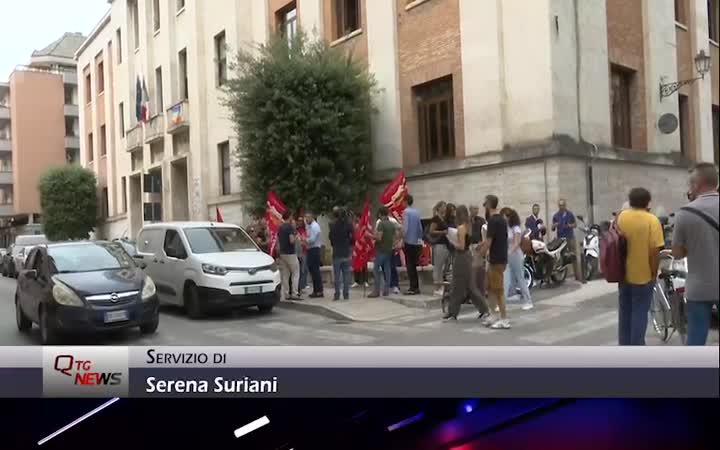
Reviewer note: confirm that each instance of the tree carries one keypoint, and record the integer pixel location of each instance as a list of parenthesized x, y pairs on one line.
[(302, 113), (68, 198)]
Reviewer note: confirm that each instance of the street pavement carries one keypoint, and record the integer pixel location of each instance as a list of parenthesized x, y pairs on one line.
[(568, 315)]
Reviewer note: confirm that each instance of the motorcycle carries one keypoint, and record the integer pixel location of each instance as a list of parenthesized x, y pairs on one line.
[(590, 248), (549, 263)]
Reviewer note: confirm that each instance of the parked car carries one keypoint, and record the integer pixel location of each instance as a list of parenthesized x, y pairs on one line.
[(204, 266), (23, 245), (128, 245), (84, 287)]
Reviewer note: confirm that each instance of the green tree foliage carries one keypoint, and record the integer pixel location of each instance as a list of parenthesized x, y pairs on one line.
[(302, 113), (68, 197)]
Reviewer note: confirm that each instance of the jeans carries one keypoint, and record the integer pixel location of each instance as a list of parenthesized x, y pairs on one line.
[(303, 272), (699, 315), (313, 263), (382, 266), (394, 263), (412, 254), (514, 277), (633, 311), (341, 277)]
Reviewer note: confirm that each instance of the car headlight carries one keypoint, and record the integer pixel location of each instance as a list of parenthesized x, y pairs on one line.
[(65, 296), (214, 270), (149, 289), (273, 267)]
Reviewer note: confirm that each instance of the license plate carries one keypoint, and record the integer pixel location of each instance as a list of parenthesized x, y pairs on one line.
[(116, 316), (253, 290)]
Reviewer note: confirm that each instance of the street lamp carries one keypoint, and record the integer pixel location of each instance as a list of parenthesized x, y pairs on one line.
[(703, 62)]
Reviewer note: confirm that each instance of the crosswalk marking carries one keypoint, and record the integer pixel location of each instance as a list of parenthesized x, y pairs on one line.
[(573, 330), (532, 317)]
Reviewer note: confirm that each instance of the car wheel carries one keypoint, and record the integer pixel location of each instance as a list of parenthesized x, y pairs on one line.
[(23, 323), (152, 326), (48, 334), (193, 308), (266, 309)]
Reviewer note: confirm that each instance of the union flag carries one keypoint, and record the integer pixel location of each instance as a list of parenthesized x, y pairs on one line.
[(394, 195), (364, 249), (273, 217)]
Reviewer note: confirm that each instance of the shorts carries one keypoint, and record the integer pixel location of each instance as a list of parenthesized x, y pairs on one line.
[(496, 280)]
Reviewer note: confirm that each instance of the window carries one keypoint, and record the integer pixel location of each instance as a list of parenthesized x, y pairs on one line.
[(101, 77), (224, 158), (183, 78), (716, 132), (436, 119), (684, 125), (180, 5), (159, 89), (123, 194), (90, 148), (135, 19), (221, 59), (156, 15), (149, 241), (713, 22), (286, 20), (105, 211), (347, 17), (218, 240), (173, 245), (88, 87), (103, 141), (681, 11), (118, 38), (121, 119), (620, 103), (70, 95), (70, 126)]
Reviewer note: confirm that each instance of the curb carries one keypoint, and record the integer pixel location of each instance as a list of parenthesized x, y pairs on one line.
[(321, 310), (433, 303)]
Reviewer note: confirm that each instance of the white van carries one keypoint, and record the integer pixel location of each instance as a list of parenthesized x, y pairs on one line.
[(206, 265)]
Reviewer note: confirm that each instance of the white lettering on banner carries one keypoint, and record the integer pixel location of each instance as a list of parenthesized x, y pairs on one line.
[(244, 385)]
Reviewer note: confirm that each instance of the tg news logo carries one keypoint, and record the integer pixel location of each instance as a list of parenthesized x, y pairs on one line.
[(82, 372)]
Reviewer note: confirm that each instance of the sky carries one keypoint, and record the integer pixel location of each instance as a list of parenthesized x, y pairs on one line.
[(27, 25)]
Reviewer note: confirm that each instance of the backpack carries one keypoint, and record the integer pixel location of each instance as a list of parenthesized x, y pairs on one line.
[(613, 254)]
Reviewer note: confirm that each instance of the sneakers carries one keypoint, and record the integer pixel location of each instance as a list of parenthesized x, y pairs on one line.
[(355, 286), (489, 320), (502, 324), (396, 291), (497, 309), (527, 306), (438, 292)]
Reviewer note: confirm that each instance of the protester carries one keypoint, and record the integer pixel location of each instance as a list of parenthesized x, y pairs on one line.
[(341, 240), (412, 231), (496, 246), (288, 259), (451, 217), (437, 236), (514, 277), (314, 242), (385, 235), (477, 222), (645, 239), (462, 280), (395, 260), (535, 224), (564, 223), (696, 238), (301, 251)]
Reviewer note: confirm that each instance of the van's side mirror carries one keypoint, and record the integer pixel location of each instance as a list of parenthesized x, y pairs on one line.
[(142, 266)]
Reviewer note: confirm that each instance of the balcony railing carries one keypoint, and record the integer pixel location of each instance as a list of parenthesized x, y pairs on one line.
[(155, 129), (70, 78), (72, 110), (6, 177), (7, 209), (4, 112), (134, 138), (5, 145), (178, 117), (72, 142)]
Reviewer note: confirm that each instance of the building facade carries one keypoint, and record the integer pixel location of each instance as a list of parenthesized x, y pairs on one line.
[(532, 101), (38, 129)]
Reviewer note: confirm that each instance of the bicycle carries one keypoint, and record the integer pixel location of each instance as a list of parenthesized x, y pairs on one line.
[(668, 310)]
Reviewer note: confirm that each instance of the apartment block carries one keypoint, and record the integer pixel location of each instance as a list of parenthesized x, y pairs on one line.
[(38, 129), (532, 101)]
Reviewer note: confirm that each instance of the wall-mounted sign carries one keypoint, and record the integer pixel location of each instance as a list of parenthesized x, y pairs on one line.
[(668, 123)]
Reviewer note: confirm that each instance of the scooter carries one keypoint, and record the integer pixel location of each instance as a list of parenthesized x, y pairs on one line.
[(591, 248), (549, 263)]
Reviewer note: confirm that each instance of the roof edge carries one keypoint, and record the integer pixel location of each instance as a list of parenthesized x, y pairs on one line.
[(94, 33)]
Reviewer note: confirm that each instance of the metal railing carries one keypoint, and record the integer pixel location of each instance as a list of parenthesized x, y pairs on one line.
[(155, 129), (134, 138), (178, 116)]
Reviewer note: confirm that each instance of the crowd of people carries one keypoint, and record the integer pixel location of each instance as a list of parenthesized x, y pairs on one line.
[(478, 258)]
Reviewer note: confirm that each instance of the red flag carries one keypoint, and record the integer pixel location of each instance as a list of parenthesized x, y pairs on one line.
[(364, 248), (394, 195), (218, 216), (273, 217)]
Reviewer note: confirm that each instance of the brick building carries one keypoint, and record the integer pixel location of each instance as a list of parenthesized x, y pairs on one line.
[(530, 100)]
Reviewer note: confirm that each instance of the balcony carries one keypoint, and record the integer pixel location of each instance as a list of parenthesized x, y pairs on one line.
[(4, 112), (178, 117), (7, 209), (155, 129), (70, 77), (72, 110), (5, 145), (72, 142), (6, 177), (134, 138)]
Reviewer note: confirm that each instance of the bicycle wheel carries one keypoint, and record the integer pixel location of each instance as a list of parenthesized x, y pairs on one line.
[(679, 316), (660, 312)]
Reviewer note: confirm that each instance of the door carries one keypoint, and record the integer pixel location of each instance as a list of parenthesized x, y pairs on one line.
[(171, 265), (149, 247), (32, 291)]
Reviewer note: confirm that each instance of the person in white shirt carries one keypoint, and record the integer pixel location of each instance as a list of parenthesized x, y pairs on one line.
[(514, 277)]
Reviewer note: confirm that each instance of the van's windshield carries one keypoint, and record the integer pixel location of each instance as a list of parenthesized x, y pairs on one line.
[(218, 240), (31, 241)]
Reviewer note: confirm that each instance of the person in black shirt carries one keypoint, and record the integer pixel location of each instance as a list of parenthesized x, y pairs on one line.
[(451, 218), (476, 225), (341, 239), (438, 239), (288, 258), (496, 246)]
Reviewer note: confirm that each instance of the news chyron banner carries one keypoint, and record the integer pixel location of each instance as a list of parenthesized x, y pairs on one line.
[(360, 372)]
